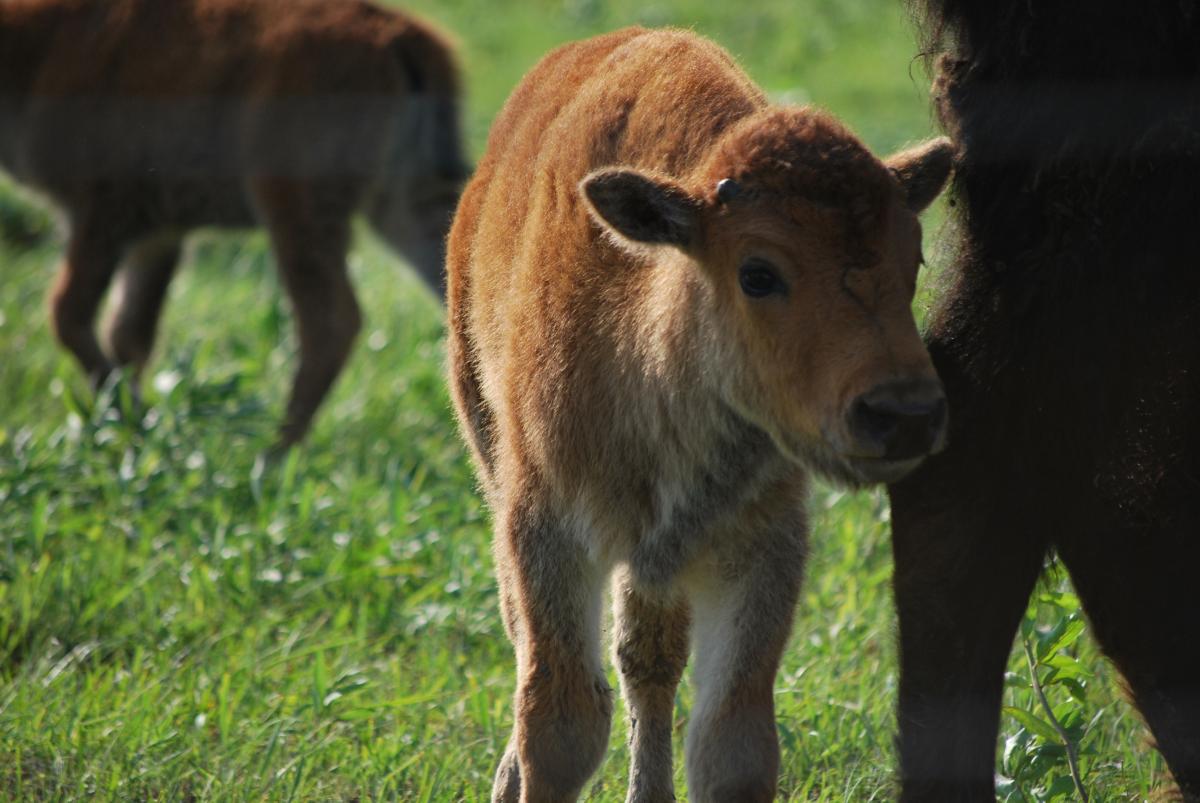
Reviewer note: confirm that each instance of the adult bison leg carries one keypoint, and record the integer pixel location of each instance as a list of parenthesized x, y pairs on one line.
[(742, 614), (651, 648), (309, 227), (142, 286), (963, 576), (1138, 587), (92, 255), (552, 592)]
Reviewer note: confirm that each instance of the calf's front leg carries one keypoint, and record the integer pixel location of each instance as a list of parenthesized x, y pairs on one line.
[(563, 704), (742, 612), (650, 647)]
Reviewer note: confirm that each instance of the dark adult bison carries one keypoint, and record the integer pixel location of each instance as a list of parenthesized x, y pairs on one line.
[(1068, 339)]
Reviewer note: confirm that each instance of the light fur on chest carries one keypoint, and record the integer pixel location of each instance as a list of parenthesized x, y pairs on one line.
[(692, 493)]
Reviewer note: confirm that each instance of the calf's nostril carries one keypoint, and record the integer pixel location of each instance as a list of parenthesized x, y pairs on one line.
[(873, 422)]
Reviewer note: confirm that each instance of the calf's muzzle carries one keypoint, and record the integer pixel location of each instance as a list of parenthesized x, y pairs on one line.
[(898, 420)]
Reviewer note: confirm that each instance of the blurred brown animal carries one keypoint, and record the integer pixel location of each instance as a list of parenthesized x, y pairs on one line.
[(143, 119), (1068, 339), (669, 302)]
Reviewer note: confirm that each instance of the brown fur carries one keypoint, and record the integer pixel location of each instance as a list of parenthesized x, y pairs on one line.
[(143, 119), (630, 407)]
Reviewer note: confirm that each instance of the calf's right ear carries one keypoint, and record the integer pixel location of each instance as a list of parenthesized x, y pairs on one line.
[(642, 208)]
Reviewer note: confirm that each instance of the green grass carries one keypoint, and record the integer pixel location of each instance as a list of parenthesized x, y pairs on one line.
[(178, 621)]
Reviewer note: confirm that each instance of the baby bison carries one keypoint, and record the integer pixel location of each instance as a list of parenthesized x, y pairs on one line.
[(143, 119), (670, 301)]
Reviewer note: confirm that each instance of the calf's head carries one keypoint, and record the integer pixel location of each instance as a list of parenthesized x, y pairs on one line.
[(804, 250)]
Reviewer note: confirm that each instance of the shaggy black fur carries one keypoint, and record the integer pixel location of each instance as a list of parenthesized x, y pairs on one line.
[(1068, 339)]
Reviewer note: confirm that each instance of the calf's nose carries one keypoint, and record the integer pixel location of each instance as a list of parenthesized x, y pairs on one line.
[(899, 420)]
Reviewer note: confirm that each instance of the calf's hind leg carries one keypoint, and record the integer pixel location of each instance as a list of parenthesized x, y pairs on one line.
[(742, 610), (507, 784), (563, 705), (310, 232), (651, 648)]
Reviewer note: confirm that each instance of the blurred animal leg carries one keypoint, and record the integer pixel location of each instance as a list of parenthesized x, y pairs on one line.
[(142, 285), (83, 279), (310, 233)]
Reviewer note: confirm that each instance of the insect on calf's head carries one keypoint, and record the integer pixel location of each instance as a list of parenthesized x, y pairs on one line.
[(808, 247)]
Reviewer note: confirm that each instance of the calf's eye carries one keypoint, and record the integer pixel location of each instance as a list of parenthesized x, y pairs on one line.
[(759, 279)]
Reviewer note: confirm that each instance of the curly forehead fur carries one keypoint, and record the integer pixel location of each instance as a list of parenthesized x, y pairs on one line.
[(800, 152)]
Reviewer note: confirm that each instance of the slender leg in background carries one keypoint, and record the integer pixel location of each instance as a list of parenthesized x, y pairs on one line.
[(86, 271), (142, 285), (310, 234)]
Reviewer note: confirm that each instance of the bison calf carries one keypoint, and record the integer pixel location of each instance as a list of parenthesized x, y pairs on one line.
[(670, 301), (143, 119)]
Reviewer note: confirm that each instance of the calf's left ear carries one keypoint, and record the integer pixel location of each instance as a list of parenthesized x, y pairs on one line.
[(642, 208), (922, 171)]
